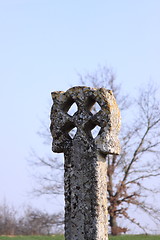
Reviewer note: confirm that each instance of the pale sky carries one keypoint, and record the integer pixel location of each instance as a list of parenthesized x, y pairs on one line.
[(43, 44)]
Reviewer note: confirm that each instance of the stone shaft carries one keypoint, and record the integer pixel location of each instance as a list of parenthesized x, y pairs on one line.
[(85, 176), (85, 193)]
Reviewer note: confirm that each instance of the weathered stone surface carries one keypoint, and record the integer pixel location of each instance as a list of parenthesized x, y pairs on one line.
[(85, 165)]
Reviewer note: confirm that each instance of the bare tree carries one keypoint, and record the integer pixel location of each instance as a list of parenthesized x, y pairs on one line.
[(138, 161), (139, 158)]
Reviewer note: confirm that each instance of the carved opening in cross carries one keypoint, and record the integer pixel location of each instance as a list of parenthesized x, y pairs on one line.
[(83, 120)]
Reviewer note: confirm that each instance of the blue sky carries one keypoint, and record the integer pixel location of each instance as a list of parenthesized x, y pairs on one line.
[(43, 44)]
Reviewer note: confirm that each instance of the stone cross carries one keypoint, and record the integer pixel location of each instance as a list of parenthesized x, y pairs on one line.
[(85, 176)]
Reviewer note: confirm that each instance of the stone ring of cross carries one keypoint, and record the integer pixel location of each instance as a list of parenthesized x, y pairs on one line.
[(85, 109)]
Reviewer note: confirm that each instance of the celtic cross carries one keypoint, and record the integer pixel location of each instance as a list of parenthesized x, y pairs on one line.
[(85, 176)]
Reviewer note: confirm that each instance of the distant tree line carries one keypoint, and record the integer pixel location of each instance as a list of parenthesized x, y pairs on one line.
[(31, 222)]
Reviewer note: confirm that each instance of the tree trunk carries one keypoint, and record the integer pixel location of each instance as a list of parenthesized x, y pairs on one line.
[(114, 227)]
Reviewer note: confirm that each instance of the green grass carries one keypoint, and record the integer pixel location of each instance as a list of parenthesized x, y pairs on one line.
[(57, 237), (135, 237), (60, 237)]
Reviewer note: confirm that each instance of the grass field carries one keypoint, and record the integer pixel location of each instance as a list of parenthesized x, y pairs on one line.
[(135, 237), (60, 237), (57, 237)]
